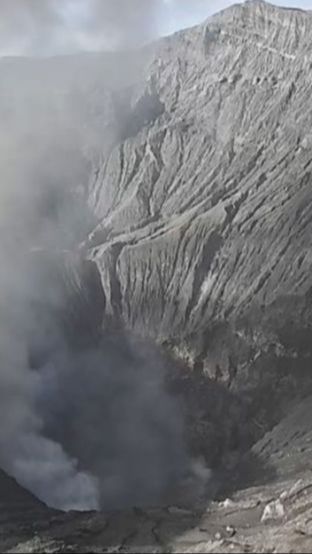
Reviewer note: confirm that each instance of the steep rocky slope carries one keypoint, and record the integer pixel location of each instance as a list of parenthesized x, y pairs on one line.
[(198, 207), (18, 511), (203, 235)]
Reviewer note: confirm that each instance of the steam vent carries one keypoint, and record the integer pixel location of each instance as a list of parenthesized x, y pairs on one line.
[(156, 288)]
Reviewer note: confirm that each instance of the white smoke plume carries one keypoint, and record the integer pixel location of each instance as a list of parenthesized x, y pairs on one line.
[(44, 27), (49, 27)]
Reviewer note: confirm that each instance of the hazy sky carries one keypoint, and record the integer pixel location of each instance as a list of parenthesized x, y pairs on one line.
[(44, 27)]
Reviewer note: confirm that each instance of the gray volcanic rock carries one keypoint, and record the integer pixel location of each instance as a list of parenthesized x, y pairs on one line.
[(19, 509), (13, 495), (203, 235)]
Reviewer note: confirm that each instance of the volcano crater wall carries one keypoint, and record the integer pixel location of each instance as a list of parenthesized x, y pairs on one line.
[(203, 238)]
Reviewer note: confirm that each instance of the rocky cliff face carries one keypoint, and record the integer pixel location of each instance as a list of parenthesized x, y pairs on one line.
[(203, 235)]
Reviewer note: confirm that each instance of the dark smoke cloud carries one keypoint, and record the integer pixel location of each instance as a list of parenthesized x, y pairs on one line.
[(36, 461), (37, 212), (108, 407), (83, 427), (85, 421)]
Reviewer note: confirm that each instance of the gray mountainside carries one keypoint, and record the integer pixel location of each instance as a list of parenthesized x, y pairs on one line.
[(194, 175), (203, 236)]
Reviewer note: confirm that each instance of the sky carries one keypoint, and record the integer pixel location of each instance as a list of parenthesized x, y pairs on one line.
[(49, 27)]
